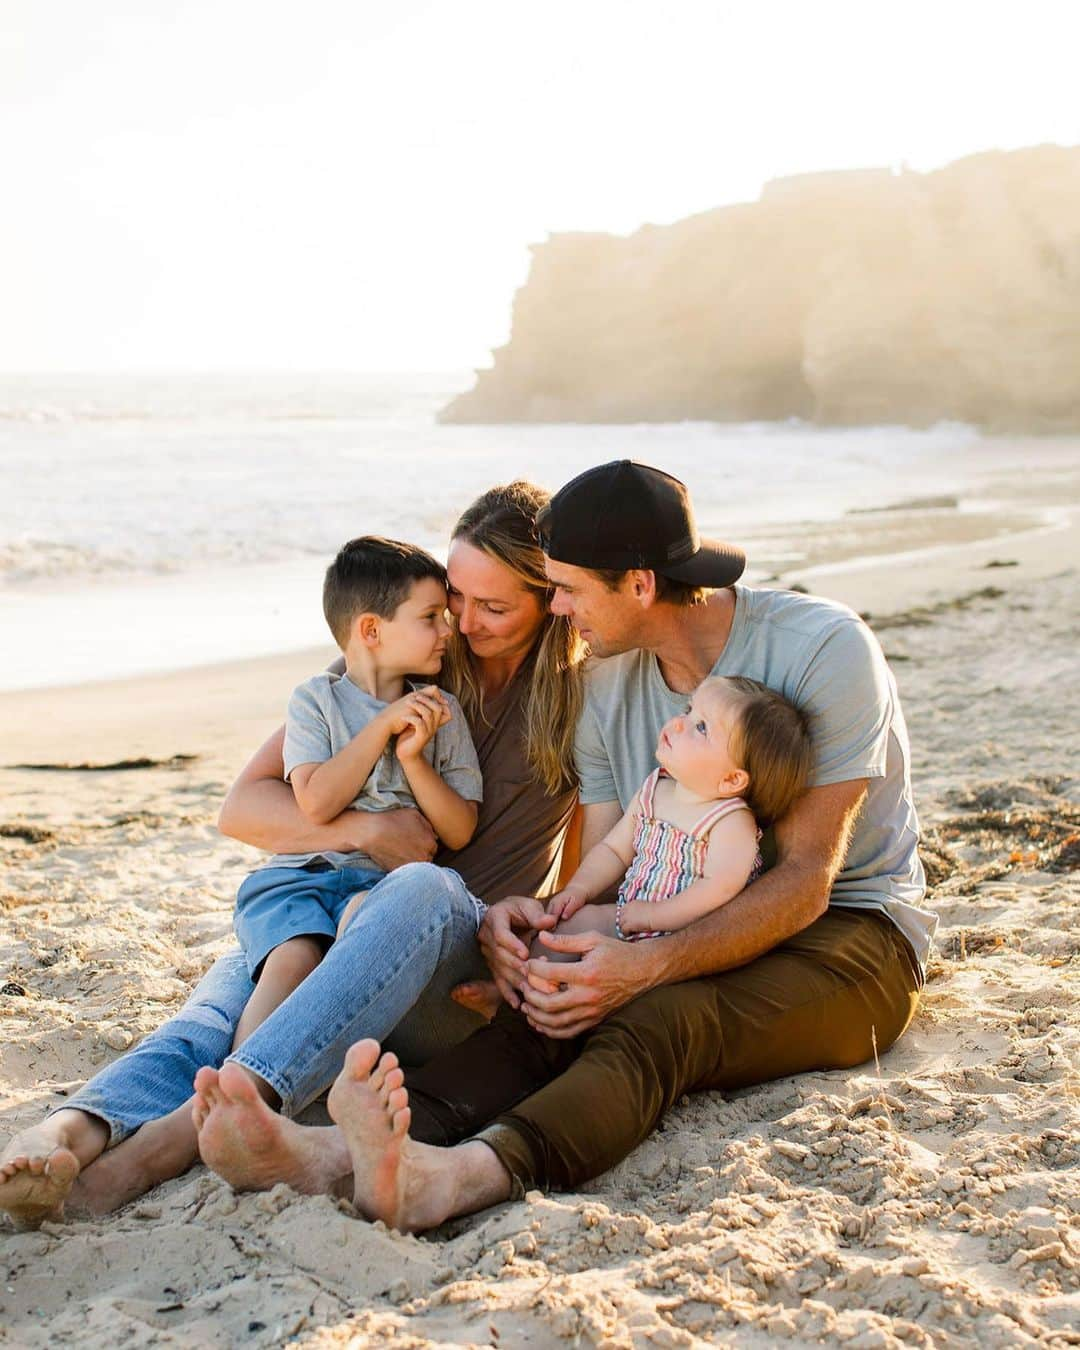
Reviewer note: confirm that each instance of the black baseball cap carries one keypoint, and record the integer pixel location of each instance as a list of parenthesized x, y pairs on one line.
[(625, 515)]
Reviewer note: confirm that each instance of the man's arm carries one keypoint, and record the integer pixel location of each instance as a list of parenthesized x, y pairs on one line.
[(261, 809), (811, 840), (598, 819)]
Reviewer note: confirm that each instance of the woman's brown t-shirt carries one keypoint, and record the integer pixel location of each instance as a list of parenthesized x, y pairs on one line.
[(518, 844)]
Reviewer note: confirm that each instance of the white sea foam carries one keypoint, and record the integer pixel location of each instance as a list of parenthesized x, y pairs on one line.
[(121, 496)]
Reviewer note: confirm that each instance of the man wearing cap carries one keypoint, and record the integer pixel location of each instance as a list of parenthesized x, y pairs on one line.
[(816, 965)]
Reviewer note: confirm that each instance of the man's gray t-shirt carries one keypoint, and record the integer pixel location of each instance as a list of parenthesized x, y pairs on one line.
[(825, 660), (327, 711)]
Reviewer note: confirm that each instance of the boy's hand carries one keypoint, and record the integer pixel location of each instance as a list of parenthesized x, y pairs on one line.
[(416, 718), (399, 713), (566, 902)]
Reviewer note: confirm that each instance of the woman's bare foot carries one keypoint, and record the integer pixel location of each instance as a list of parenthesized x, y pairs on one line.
[(479, 996), (33, 1188), (39, 1166), (253, 1148), (409, 1185), (156, 1152)]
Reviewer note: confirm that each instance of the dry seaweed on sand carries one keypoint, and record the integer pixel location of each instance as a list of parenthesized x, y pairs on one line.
[(142, 762)]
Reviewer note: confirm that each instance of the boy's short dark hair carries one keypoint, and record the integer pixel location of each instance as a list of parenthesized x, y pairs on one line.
[(373, 575)]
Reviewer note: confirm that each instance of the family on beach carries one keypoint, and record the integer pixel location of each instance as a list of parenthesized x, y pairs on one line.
[(522, 901)]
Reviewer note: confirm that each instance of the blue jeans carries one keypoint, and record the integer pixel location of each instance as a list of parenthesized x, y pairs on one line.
[(392, 970)]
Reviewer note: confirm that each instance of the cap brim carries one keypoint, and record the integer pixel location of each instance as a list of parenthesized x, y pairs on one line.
[(714, 564)]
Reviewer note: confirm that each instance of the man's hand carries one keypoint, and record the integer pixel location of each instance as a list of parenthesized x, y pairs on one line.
[(396, 837), (564, 999), (505, 952)]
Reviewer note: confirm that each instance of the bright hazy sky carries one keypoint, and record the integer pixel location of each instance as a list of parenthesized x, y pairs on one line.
[(353, 184)]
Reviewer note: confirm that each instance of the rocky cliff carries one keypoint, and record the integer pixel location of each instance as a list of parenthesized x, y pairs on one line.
[(866, 296)]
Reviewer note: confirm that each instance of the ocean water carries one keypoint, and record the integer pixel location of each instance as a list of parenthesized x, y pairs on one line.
[(149, 523)]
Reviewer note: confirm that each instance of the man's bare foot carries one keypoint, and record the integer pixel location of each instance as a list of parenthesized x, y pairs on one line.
[(39, 1166), (156, 1152), (253, 1148), (479, 996), (409, 1185), (369, 1102)]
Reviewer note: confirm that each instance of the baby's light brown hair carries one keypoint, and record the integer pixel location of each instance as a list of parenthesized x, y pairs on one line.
[(771, 741)]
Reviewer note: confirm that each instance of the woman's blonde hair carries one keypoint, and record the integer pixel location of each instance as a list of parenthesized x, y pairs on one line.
[(500, 524)]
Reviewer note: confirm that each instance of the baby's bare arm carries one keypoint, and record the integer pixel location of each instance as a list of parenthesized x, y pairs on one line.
[(601, 867)]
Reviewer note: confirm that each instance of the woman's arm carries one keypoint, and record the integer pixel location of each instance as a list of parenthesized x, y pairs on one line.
[(260, 809)]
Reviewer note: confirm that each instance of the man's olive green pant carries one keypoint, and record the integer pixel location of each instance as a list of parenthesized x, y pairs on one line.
[(560, 1112)]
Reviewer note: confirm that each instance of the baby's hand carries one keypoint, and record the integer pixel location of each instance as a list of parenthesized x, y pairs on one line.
[(566, 902), (635, 917), (416, 718)]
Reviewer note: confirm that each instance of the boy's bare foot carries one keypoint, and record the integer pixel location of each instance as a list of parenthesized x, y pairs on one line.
[(409, 1185), (156, 1152), (253, 1148), (35, 1184), (479, 996)]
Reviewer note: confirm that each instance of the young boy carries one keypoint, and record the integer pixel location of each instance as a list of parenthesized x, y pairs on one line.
[(385, 603)]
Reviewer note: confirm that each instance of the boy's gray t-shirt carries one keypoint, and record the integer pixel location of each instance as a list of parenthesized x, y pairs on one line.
[(327, 711), (825, 660)]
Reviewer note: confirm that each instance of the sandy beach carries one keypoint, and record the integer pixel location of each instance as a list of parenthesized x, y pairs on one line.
[(930, 1199)]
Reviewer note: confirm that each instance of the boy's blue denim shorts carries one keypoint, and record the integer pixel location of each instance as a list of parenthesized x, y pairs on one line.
[(278, 903)]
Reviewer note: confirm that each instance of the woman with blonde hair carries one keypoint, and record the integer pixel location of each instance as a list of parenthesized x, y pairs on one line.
[(514, 667), (494, 526)]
